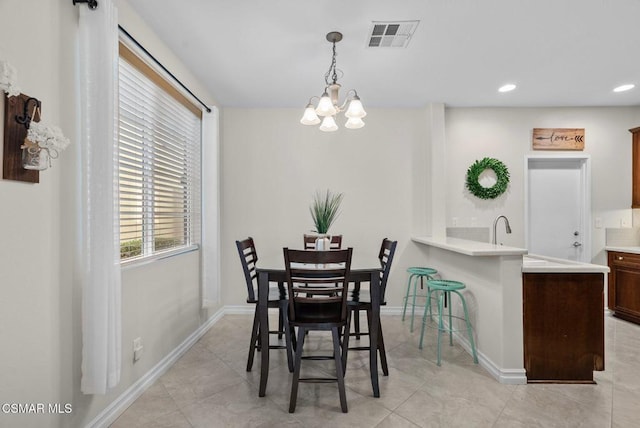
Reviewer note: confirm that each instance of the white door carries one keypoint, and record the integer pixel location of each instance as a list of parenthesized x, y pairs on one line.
[(558, 207)]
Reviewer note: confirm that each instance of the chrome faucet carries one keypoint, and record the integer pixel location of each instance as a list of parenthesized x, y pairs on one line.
[(495, 224)]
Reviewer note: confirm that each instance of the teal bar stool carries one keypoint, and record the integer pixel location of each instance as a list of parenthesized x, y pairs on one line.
[(445, 288), (416, 274)]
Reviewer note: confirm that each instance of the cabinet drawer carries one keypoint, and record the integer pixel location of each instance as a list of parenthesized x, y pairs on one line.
[(624, 259)]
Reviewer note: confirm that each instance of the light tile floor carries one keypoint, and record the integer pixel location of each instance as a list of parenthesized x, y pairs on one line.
[(209, 387)]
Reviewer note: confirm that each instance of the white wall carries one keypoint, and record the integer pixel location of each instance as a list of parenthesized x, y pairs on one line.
[(40, 299), (505, 134), (272, 165)]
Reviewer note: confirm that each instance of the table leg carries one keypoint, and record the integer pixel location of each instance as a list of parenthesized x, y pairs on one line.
[(263, 314), (374, 331)]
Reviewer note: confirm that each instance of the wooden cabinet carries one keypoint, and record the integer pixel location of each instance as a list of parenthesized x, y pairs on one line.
[(635, 156), (624, 285), (563, 326)]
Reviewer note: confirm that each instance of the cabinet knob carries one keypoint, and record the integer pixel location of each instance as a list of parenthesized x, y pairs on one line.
[(620, 258)]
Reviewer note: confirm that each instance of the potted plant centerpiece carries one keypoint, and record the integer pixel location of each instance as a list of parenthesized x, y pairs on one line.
[(324, 211)]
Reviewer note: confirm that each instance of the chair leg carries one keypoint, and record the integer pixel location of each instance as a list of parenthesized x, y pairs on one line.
[(280, 322), (254, 340), (356, 323), (345, 342), (406, 297), (381, 350), (448, 300), (424, 316), (469, 329), (296, 370), (289, 342), (440, 323), (383, 353), (413, 308), (339, 368)]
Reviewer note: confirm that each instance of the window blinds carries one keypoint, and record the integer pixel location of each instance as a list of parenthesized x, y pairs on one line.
[(159, 168)]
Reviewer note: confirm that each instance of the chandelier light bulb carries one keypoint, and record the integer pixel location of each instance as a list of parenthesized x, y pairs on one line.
[(325, 106), (354, 123), (328, 124), (355, 109), (310, 117)]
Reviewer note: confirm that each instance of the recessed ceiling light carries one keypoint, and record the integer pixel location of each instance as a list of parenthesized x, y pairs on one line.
[(506, 88), (623, 88)]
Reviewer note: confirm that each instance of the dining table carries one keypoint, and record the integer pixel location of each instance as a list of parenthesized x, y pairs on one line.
[(363, 270)]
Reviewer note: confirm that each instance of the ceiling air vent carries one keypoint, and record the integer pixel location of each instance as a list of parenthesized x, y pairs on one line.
[(391, 34)]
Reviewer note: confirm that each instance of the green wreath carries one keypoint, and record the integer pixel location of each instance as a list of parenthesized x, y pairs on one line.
[(502, 175)]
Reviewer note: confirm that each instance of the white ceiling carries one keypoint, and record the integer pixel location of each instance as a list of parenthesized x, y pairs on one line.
[(257, 53)]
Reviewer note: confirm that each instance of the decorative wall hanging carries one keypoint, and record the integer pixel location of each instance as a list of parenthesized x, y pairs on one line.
[(18, 109), (473, 175), (29, 145), (558, 139)]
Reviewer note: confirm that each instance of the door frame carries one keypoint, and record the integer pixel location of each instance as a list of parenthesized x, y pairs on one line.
[(584, 161)]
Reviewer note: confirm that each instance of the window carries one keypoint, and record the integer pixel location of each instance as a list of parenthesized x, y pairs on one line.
[(159, 163)]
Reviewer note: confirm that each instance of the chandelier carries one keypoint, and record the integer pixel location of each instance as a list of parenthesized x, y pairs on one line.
[(328, 105)]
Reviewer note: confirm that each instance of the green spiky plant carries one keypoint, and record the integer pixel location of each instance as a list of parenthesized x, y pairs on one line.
[(325, 209)]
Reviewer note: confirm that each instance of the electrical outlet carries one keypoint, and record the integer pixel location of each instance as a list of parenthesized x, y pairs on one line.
[(454, 221), (598, 222), (137, 348)]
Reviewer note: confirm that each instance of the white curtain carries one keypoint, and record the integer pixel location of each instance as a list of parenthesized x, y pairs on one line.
[(210, 276), (99, 256)]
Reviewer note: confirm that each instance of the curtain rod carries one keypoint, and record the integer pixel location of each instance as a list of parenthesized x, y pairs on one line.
[(164, 68), (93, 4)]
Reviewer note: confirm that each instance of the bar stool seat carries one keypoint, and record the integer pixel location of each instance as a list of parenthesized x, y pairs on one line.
[(444, 289), (416, 274)]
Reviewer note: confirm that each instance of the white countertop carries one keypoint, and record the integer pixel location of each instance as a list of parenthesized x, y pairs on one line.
[(470, 248), (533, 263), (633, 250)]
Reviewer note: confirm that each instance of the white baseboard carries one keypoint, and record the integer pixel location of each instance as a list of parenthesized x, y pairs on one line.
[(502, 375), (120, 404)]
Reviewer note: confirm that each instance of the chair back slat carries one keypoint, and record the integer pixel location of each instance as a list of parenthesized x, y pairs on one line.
[(387, 251), (248, 259), (317, 282)]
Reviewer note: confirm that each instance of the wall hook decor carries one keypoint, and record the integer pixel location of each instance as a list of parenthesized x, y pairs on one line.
[(26, 118)]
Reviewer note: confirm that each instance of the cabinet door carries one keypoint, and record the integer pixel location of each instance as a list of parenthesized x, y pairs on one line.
[(624, 287), (563, 326), (628, 291)]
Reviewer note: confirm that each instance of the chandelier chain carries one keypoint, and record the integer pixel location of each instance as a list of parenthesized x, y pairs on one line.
[(334, 75)]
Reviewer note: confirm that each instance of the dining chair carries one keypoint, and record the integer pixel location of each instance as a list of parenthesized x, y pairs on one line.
[(310, 242), (325, 275), (360, 299), (277, 299)]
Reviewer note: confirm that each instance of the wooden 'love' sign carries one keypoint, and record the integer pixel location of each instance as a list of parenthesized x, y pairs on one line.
[(558, 139)]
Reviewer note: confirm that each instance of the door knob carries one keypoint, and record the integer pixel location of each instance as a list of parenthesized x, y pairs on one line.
[(577, 244)]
